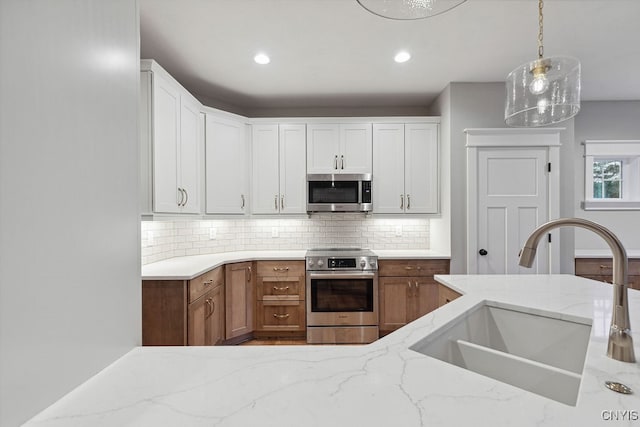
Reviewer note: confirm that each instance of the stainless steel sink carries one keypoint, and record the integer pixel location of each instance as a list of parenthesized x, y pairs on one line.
[(538, 351)]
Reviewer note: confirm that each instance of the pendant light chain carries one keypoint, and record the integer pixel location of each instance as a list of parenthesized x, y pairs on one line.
[(540, 45)]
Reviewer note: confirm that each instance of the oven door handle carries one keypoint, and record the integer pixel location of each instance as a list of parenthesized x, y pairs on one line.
[(341, 275)]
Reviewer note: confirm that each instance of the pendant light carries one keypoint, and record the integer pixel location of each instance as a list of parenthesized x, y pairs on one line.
[(408, 9), (544, 91)]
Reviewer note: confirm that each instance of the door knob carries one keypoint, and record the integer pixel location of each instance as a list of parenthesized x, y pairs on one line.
[(483, 252)]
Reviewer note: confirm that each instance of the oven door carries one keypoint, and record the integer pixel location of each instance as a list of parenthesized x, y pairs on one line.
[(342, 298)]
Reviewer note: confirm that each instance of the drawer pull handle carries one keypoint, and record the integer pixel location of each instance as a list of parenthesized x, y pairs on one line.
[(280, 268), (408, 267), (208, 282), (281, 316), (604, 266), (283, 288)]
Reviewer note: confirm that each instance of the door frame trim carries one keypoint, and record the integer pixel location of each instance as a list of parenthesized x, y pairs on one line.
[(508, 138)]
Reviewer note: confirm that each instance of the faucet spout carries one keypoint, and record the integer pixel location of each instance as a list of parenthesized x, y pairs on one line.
[(620, 346)]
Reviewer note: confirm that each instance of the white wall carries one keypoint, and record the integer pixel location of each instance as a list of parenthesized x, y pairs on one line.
[(440, 227), (69, 227), (605, 120), (481, 105)]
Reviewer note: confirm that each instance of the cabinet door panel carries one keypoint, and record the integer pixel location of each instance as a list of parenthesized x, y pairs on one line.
[(323, 148), (238, 299), (292, 169), (265, 193), (198, 313), (395, 309), (426, 295), (166, 121), (216, 321), (190, 154), (388, 168), (421, 168), (355, 148), (225, 166)]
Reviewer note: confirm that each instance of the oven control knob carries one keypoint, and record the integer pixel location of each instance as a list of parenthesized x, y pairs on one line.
[(310, 263), (372, 263), (363, 263), (320, 263)]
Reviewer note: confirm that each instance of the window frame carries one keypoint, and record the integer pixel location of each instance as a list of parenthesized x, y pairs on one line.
[(628, 153)]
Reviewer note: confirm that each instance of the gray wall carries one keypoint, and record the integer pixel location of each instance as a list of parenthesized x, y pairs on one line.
[(69, 226), (605, 120), (481, 105)]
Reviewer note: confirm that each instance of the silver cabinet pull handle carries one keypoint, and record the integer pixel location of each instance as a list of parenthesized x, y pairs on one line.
[(275, 202), (186, 197), (283, 288), (179, 202), (402, 201), (281, 316), (281, 202), (242, 198), (408, 201), (341, 162), (335, 162)]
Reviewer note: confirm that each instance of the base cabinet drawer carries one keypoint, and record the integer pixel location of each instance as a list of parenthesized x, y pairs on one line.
[(280, 316), (280, 288), (280, 299)]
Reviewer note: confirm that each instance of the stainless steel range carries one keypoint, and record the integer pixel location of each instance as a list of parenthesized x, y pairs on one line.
[(342, 296)]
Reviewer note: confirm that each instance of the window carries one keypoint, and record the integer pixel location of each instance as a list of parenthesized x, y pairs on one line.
[(612, 175)]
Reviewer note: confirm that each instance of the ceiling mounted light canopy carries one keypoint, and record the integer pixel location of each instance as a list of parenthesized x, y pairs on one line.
[(408, 9), (544, 91)]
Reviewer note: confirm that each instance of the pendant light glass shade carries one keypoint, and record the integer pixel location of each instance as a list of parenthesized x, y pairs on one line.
[(408, 9), (543, 92)]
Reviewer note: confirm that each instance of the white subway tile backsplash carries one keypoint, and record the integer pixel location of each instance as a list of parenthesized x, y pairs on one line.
[(179, 238)]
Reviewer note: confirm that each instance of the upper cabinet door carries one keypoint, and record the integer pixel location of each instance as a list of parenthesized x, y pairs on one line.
[(421, 168), (166, 125), (226, 166), (171, 144), (191, 125), (355, 148), (293, 180), (265, 194), (323, 148), (388, 168)]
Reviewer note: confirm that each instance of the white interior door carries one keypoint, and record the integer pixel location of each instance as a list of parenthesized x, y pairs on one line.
[(513, 199)]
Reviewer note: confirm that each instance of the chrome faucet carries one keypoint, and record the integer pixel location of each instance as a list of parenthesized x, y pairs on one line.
[(620, 345)]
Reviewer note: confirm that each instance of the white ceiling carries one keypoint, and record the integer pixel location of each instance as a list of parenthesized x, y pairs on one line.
[(333, 53)]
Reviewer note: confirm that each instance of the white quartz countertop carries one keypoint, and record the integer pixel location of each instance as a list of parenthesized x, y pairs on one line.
[(380, 384), (188, 267)]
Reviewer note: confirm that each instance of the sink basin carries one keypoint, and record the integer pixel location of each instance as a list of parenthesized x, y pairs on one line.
[(538, 351)]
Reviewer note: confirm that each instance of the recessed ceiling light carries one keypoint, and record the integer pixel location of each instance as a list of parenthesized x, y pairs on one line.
[(262, 59), (402, 56)]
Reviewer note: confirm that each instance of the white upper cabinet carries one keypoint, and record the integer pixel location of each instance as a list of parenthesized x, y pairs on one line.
[(171, 141), (388, 168), (405, 168), (226, 165), (339, 148), (279, 174)]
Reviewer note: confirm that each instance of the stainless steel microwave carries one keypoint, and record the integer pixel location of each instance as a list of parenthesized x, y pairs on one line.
[(339, 193)]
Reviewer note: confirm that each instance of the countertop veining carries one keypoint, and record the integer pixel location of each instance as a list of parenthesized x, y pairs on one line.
[(379, 384)]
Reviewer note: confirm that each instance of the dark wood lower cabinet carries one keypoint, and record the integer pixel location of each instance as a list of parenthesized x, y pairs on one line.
[(407, 290), (601, 269), (184, 312)]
